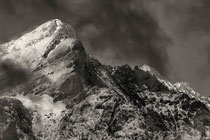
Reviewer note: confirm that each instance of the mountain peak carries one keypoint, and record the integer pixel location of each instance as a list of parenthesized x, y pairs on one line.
[(57, 25), (152, 71), (51, 29), (57, 21), (54, 23), (146, 68), (39, 43)]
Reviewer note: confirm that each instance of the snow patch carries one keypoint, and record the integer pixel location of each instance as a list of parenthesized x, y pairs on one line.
[(43, 104), (146, 68)]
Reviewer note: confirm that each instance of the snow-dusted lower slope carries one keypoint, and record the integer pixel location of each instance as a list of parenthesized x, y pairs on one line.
[(59, 92)]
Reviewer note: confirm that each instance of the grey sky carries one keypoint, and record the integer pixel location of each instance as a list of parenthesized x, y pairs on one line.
[(170, 35)]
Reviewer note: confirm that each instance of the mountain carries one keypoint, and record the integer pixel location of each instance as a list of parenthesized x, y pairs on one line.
[(50, 88)]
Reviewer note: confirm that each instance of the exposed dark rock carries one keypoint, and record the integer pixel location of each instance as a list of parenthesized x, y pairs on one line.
[(15, 120)]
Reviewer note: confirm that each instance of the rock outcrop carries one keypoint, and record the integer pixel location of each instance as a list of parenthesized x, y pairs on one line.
[(15, 120)]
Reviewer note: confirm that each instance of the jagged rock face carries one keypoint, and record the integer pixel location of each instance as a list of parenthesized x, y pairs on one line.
[(102, 102), (15, 120)]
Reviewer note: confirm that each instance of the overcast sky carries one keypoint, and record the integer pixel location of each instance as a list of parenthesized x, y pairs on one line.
[(170, 35)]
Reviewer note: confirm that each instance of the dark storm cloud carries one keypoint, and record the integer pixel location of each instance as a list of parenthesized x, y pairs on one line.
[(115, 31), (12, 74), (127, 29), (187, 23)]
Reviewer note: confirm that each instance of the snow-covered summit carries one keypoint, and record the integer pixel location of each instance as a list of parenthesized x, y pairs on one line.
[(161, 78), (146, 68), (51, 28), (152, 71), (38, 43)]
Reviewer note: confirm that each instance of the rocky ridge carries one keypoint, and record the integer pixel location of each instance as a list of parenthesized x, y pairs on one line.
[(91, 100)]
